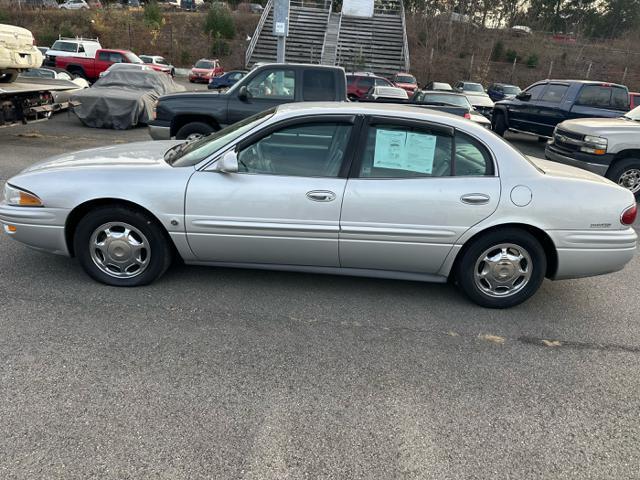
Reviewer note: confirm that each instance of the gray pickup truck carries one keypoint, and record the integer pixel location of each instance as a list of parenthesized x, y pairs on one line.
[(606, 146)]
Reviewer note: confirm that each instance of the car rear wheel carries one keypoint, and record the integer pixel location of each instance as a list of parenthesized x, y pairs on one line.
[(194, 131), (502, 268), (626, 173), (499, 123), (122, 247)]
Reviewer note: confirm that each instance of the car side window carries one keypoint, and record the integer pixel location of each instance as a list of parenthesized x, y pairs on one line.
[(381, 82), (103, 56), (273, 84), (116, 58), (306, 150), (366, 83), (536, 90), (472, 158), (395, 151), (554, 93), (318, 85)]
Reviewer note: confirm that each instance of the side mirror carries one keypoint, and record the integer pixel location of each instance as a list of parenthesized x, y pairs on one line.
[(243, 93), (524, 96), (228, 163)]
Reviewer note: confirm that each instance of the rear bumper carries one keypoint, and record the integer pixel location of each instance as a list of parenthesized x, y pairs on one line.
[(589, 253), (594, 163), (159, 132), (39, 228)]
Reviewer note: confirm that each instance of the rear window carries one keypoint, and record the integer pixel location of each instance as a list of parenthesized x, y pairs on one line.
[(318, 85), (443, 98), (473, 87), (603, 96), (65, 46)]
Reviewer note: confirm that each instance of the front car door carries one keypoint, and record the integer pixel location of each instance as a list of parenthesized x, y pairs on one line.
[(522, 113), (283, 205), (414, 189), (548, 112), (268, 88)]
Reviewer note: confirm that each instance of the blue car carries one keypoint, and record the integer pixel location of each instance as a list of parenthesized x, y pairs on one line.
[(500, 91), (226, 80)]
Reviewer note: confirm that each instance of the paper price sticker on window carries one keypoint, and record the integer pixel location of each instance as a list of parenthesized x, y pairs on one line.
[(401, 150)]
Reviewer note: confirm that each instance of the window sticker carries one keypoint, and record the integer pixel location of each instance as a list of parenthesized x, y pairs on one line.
[(401, 150)]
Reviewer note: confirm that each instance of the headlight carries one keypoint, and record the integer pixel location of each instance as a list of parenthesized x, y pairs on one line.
[(599, 141), (20, 198), (594, 145)]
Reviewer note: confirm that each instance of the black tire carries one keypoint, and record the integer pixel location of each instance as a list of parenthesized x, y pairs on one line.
[(160, 254), (465, 268), (617, 170), (194, 128), (352, 98), (499, 123), (77, 73), (9, 76)]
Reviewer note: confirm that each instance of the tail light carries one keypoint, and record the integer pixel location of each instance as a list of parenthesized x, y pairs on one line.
[(467, 116), (629, 215)]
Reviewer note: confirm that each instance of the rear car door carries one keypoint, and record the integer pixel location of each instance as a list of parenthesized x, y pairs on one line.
[(600, 100), (283, 205), (414, 189), (267, 89)]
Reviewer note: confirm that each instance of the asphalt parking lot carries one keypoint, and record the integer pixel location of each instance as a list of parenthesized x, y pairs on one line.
[(241, 374)]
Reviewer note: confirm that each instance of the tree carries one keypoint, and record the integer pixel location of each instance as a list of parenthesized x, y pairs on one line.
[(219, 23)]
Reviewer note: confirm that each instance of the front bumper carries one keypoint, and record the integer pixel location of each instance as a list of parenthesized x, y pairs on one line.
[(39, 228), (594, 163), (159, 132), (592, 252)]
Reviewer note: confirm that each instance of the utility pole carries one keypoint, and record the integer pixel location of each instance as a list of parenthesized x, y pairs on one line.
[(281, 27)]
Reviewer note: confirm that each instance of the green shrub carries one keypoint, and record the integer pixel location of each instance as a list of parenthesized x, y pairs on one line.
[(152, 15), (498, 51), (511, 55), (219, 23), (3, 16), (220, 48), (532, 61)]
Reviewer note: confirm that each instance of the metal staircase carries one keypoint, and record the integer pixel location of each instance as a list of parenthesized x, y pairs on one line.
[(330, 47)]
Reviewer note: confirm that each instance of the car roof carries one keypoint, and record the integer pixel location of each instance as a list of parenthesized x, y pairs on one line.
[(444, 92), (583, 82)]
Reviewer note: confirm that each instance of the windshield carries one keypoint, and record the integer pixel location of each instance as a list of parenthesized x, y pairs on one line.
[(204, 64), (146, 59), (189, 154), (633, 114), (133, 58), (432, 98), (473, 87), (64, 46), (510, 90), (405, 79)]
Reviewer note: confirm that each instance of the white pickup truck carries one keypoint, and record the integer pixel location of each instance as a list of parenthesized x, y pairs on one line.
[(606, 146), (17, 52)]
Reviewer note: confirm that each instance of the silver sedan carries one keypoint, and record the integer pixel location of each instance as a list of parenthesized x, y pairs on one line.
[(349, 189)]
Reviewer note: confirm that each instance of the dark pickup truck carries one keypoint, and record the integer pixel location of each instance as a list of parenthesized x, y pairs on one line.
[(192, 115), (538, 109)]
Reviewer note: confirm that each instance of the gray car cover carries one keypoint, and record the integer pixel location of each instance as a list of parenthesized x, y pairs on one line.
[(123, 98)]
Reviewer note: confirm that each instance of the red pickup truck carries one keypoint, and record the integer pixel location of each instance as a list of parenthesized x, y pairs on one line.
[(91, 68)]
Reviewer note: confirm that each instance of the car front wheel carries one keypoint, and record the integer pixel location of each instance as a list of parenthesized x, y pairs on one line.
[(626, 173), (502, 268), (120, 246), (194, 131), (499, 123)]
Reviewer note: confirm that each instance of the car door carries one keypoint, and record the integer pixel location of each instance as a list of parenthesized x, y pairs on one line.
[(267, 89), (282, 206), (522, 113), (414, 190), (548, 112)]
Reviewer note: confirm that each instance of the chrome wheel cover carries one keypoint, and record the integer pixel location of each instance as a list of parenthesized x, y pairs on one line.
[(119, 250), (194, 136), (630, 179), (503, 270)]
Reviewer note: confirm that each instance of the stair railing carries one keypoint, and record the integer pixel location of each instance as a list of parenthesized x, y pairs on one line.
[(256, 35), (405, 42), (326, 32)]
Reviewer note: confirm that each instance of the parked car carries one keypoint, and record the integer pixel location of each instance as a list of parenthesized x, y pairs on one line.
[(91, 68), (450, 102), (521, 31), (61, 78), (606, 146), (634, 100), (477, 97), (406, 81), (123, 98), (539, 108), (439, 86), (468, 87), (415, 195), (71, 47), (159, 63), (226, 80), (391, 93), (196, 114), (17, 52), (358, 84), (502, 91), (204, 70), (75, 5)]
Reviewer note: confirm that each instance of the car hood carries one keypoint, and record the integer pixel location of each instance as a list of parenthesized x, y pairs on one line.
[(139, 154), (406, 86), (601, 126), (201, 70)]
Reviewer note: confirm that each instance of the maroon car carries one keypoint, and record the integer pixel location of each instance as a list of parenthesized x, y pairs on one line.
[(406, 81), (204, 70), (359, 84)]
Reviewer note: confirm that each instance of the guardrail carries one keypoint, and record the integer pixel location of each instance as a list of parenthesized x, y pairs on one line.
[(256, 34)]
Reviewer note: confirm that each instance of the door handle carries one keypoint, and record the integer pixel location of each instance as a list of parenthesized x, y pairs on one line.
[(321, 195), (475, 199)]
